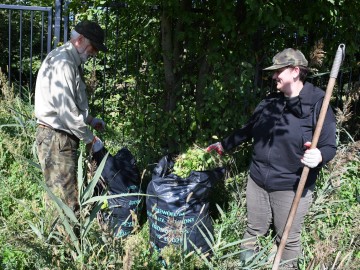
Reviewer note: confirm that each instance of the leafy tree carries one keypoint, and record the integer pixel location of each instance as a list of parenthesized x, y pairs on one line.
[(178, 72)]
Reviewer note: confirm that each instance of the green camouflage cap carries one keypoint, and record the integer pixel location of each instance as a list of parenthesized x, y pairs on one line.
[(288, 57)]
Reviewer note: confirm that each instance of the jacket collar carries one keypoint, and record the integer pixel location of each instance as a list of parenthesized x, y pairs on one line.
[(305, 98), (301, 106)]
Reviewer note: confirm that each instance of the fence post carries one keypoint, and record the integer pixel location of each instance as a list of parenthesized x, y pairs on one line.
[(66, 20), (57, 22)]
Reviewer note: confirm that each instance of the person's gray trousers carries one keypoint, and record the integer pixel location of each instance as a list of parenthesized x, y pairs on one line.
[(266, 207)]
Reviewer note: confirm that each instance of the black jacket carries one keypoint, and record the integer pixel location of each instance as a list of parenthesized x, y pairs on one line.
[(279, 128)]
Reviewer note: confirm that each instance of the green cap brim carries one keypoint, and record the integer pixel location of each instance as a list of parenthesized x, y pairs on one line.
[(275, 67)]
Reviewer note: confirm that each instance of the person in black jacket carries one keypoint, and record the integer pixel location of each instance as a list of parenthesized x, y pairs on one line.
[(281, 128)]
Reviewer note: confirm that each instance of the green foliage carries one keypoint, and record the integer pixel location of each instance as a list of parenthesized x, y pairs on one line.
[(333, 222), (12, 259), (350, 187), (196, 159), (217, 52)]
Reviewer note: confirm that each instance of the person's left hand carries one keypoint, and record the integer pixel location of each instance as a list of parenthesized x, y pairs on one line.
[(97, 124), (312, 157)]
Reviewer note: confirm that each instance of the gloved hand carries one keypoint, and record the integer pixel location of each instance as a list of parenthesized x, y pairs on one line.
[(97, 145), (312, 157), (97, 124), (217, 147)]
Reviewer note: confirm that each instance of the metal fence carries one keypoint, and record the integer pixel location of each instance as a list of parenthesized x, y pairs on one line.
[(29, 33), (26, 34)]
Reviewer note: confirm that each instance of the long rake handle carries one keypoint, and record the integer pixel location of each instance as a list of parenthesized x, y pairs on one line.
[(329, 89)]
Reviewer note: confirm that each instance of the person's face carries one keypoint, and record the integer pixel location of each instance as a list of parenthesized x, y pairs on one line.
[(284, 77), (86, 50)]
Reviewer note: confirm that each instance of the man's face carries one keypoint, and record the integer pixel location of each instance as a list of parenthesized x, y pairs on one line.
[(86, 50)]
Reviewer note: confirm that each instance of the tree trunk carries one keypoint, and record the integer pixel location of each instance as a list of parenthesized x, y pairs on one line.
[(167, 53), (171, 52), (204, 70)]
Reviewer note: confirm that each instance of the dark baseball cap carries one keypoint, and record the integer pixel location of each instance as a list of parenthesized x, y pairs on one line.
[(288, 57), (93, 32)]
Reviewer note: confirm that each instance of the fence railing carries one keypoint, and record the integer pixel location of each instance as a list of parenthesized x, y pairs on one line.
[(29, 35)]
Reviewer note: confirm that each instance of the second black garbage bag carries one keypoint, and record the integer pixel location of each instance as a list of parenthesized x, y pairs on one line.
[(178, 207)]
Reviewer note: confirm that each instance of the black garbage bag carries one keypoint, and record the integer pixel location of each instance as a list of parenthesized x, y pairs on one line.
[(178, 208), (121, 176)]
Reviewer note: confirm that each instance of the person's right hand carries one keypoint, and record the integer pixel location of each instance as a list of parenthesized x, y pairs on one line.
[(97, 145), (217, 147), (312, 157)]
